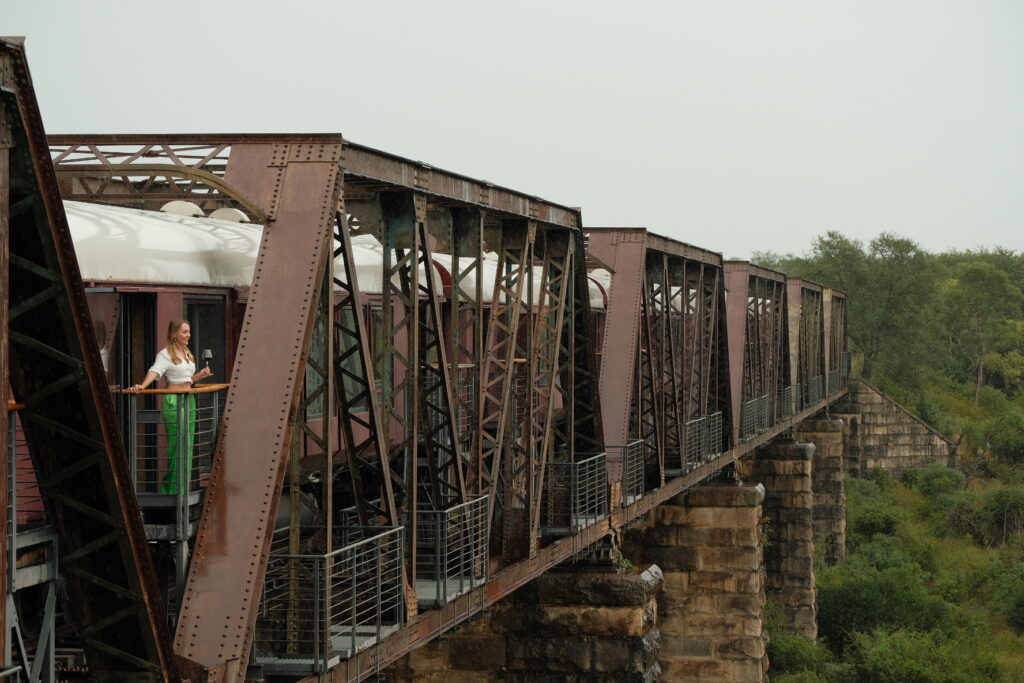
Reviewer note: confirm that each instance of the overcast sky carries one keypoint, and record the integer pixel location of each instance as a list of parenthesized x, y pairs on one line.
[(735, 126)]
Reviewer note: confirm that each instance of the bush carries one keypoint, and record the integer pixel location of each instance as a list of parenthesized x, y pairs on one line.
[(1015, 611), (1002, 514), (938, 479), (790, 653), (800, 677), (874, 520), (858, 597), (883, 552), (993, 517), (902, 656)]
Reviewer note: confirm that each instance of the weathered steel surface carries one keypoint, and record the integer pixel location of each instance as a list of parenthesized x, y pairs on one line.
[(392, 170), (68, 418), (430, 624), (622, 249), (299, 184), (6, 142)]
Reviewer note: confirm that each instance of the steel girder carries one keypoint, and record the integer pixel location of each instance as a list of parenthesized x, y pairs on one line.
[(758, 357), (805, 307), (68, 418), (835, 303)]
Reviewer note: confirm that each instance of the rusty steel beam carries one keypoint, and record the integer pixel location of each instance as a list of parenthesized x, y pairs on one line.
[(68, 418), (6, 144), (548, 355), (300, 184), (581, 431), (427, 625), (363, 164), (624, 251), (498, 375), (757, 336), (372, 479)]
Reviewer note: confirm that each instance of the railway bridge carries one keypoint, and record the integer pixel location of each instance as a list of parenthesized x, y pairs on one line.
[(440, 391)]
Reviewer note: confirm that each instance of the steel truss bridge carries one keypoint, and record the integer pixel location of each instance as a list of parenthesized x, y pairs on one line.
[(451, 448)]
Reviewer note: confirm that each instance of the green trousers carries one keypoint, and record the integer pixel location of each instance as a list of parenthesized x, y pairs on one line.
[(173, 421)]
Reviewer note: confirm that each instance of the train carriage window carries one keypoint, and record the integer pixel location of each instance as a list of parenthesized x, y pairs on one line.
[(105, 311), (205, 314)]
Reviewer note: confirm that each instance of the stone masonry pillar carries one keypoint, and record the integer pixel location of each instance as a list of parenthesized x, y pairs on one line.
[(572, 623), (829, 485), (711, 611), (784, 468)]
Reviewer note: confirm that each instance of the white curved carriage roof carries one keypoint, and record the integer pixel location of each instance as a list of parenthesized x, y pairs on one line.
[(118, 244)]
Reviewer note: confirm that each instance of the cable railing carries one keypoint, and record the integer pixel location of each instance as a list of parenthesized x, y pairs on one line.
[(764, 405), (575, 495), (451, 552), (786, 406), (749, 419), (814, 390), (632, 470), (317, 609), (834, 381), (170, 447), (714, 436), (696, 443)]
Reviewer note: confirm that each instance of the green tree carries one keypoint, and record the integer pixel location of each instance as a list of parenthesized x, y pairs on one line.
[(979, 308), (890, 286)]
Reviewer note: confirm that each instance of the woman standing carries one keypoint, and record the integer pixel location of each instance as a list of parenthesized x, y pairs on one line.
[(177, 366)]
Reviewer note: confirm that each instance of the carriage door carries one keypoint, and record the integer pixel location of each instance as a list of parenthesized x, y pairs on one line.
[(205, 313)]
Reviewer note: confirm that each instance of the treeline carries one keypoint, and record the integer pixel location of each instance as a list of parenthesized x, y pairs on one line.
[(932, 590), (942, 333), (933, 587)]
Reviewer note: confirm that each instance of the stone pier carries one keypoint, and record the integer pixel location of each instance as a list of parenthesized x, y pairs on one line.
[(575, 623), (711, 611), (888, 436), (785, 469), (829, 473)]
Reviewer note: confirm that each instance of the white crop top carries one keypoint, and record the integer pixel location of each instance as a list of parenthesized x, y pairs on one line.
[(179, 373)]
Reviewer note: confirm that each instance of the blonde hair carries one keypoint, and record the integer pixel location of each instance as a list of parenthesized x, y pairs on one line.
[(173, 347)]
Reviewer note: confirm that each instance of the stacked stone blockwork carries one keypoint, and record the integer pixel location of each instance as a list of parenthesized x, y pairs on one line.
[(883, 435), (571, 624), (785, 469), (711, 612), (829, 474)]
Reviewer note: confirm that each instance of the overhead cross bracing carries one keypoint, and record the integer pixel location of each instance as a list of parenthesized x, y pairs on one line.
[(510, 384)]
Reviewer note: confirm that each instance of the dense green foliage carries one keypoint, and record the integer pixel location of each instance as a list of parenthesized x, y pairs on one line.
[(941, 333), (920, 598), (933, 586)]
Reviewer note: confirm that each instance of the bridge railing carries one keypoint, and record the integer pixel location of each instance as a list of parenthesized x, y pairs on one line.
[(575, 495), (632, 457), (786, 398), (713, 442), (318, 609), (174, 442), (813, 391), (696, 442), (451, 551), (835, 379)]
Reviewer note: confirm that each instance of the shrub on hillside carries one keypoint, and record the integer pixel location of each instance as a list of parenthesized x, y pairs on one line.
[(903, 656), (992, 517), (857, 597), (936, 480)]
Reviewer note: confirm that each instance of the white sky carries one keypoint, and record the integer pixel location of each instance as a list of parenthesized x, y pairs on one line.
[(736, 126)]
